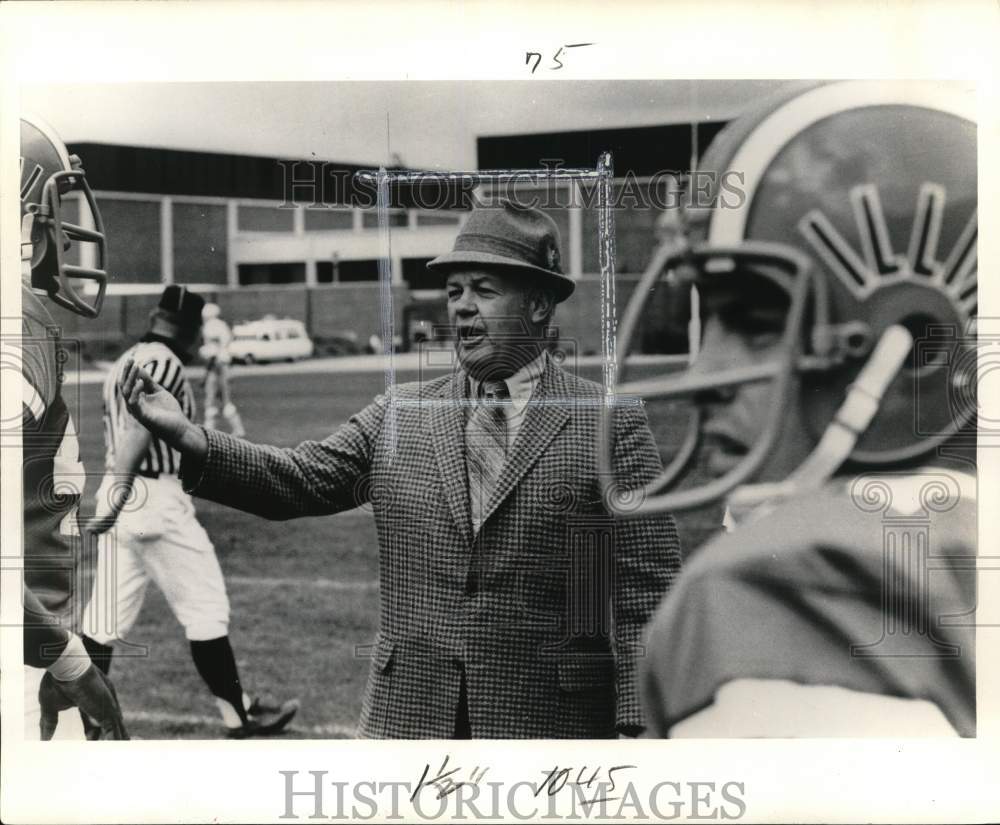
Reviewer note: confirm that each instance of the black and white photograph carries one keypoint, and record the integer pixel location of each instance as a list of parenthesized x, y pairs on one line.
[(642, 422)]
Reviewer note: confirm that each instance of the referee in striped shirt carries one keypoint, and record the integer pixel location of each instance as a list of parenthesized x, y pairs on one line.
[(157, 535)]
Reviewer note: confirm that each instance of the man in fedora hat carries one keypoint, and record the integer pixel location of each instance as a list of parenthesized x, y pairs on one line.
[(511, 602)]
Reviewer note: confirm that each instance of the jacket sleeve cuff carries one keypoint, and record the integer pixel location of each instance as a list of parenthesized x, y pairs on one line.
[(628, 718), (193, 468)]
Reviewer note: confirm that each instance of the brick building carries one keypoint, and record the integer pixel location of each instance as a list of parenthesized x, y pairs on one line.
[(299, 238)]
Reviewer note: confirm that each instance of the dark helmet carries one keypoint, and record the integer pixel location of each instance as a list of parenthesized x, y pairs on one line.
[(48, 174), (858, 200)]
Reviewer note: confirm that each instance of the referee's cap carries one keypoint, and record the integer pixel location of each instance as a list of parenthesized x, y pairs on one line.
[(183, 305)]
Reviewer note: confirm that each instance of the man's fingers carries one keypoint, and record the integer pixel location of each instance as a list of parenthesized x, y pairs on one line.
[(127, 380), (147, 380), (132, 398), (141, 382), (135, 379)]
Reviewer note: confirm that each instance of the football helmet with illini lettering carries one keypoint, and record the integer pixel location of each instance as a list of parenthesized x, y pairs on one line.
[(857, 202), (49, 175)]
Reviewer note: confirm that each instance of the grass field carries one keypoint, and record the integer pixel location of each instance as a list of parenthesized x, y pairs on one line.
[(303, 593)]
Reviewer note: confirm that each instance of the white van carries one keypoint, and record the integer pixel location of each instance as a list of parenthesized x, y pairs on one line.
[(270, 339)]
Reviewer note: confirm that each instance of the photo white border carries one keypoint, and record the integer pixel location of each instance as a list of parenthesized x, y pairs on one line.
[(802, 781)]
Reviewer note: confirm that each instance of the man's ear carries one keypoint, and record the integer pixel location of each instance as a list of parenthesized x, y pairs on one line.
[(542, 305)]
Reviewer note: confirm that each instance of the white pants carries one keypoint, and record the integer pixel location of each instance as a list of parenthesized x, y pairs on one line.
[(157, 538), (70, 726)]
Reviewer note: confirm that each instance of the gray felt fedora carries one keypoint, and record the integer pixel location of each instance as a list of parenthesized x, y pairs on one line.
[(507, 236)]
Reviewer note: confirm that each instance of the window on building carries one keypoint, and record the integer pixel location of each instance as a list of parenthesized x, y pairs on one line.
[(323, 220), (261, 274), (133, 231), (397, 217), (366, 270), (264, 219), (200, 243), (418, 276), (332, 272), (326, 272), (439, 218)]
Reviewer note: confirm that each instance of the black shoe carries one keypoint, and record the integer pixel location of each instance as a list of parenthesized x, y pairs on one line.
[(265, 718)]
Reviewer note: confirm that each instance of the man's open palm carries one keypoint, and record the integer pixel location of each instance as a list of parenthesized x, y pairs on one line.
[(151, 405)]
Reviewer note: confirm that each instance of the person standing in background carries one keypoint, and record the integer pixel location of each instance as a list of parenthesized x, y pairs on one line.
[(216, 336)]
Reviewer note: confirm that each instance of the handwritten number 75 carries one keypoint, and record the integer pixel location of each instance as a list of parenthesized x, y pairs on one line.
[(557, 63)]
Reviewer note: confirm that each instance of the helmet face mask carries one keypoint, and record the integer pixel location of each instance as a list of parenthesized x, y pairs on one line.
[(696, 266), (859, 204), (48, 176)]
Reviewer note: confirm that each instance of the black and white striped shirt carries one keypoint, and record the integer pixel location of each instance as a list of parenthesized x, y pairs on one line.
[(168, 371)]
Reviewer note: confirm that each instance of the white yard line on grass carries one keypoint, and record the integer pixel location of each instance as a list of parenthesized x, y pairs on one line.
[(156, 718)]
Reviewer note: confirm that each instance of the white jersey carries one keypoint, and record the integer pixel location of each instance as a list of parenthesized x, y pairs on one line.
[(216, 335), (167, 370)]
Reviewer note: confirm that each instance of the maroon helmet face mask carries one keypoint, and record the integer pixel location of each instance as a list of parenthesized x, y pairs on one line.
[(48, 176), (860, 205)]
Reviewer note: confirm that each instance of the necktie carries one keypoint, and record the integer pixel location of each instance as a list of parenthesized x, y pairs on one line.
[(486, 446)]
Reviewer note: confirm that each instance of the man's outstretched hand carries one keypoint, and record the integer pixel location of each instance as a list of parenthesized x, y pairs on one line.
[(92, 693), (159, 412)]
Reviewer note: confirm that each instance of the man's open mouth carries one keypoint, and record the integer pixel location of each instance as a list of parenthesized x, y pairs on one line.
[(470, 336)]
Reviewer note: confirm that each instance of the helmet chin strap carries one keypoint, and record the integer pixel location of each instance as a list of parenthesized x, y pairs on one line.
[(864, 397), (28, 252), (27, 247)]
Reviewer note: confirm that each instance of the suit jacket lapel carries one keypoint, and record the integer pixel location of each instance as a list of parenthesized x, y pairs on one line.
[(447, 425), (546, 413)]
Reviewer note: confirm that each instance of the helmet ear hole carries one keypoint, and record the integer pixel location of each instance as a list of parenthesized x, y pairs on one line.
[(857, 339), (919, 325)]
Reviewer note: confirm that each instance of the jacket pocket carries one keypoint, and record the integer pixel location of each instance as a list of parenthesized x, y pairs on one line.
[(384, 649), (586, 674)]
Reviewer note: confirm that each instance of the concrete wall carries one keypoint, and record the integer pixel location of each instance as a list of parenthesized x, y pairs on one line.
[(251, 303), (336, 308)]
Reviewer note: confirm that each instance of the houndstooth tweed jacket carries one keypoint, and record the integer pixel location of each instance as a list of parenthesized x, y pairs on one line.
[(543, 609)]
